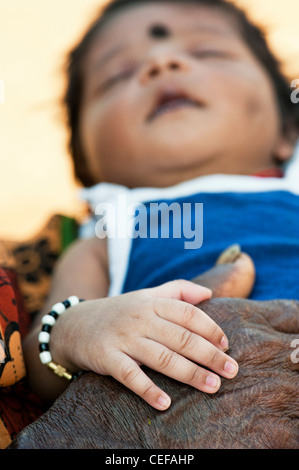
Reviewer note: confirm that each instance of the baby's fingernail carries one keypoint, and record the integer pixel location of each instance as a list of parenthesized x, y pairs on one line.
[(163, 401), (224, 343), (212, 382), (230, 368)]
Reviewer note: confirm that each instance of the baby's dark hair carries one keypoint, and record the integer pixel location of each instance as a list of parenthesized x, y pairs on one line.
[(253, 36)]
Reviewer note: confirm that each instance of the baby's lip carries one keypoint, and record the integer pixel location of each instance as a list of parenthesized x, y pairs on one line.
[(170, 99)]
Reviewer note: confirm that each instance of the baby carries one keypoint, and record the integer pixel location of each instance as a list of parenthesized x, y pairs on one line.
[(177, 101)]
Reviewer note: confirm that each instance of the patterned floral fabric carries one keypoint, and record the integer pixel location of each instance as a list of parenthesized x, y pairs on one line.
[(25, 277), (33, 260), (18, 407)]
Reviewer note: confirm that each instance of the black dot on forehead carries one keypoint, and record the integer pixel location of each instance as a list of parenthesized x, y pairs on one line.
[(159, 31)]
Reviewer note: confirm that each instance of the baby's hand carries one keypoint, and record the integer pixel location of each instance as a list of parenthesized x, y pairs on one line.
[(158, 327)]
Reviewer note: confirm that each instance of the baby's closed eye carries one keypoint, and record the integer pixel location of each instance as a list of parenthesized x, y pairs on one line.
[(118, 77)]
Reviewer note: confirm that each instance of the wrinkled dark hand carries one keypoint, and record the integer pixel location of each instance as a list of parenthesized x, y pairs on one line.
[(259, 408)]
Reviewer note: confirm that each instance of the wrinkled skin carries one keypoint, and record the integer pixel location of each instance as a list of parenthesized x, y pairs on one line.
[(257, 409)]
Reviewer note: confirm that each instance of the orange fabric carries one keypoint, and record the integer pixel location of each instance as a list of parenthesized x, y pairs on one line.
[(5, 438)]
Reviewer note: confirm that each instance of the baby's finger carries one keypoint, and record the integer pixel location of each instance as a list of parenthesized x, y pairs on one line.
[(126, 370), (194, 347), (193, 319), (182, 290), (162, 359)]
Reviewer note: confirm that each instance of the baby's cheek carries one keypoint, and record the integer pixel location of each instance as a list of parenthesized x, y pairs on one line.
[(253, 107), (262, 115)]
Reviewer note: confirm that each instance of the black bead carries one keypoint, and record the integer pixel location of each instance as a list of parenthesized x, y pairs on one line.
[(44, 347), (54, 314), (66, 303), (47, 328)]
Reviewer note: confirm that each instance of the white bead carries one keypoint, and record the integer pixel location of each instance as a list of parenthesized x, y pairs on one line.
[(45, 357), (44, 337), (48, 320), (58, 308), (73, 300)]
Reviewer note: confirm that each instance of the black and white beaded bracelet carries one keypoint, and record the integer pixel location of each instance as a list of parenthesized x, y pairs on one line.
[(48, 321)]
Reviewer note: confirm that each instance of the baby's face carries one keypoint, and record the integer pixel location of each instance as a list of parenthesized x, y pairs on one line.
[(158, 109)]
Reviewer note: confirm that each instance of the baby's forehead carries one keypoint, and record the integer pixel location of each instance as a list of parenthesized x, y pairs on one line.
[(146, 18), (157, 22)]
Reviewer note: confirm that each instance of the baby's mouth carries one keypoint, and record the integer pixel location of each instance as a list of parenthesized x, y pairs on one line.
[(170, 100)]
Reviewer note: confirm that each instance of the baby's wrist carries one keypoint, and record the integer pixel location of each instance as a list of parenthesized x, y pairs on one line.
[(54, 341)]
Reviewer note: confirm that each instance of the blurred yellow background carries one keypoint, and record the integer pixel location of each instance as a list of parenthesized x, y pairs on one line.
[(36, 177)]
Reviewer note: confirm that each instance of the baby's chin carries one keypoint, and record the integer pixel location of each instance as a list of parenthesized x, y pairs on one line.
[(173, 167), (180, 132), (176, 152)]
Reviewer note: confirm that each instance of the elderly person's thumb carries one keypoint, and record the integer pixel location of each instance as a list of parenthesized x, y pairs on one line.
[(232, 276)]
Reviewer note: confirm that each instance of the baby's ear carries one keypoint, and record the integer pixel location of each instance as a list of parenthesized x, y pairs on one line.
[(285, 145)]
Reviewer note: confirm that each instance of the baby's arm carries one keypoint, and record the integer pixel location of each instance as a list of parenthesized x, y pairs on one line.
[(158, 327), (81, 271)]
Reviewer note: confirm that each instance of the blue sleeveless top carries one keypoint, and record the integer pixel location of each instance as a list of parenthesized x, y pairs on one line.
[(259, 214)]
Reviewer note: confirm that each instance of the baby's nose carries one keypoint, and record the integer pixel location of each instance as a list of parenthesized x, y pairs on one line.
[(160, 65)]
